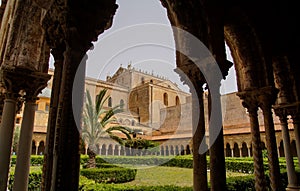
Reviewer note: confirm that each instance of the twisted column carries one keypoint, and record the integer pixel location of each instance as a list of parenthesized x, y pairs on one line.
[(249, 102)]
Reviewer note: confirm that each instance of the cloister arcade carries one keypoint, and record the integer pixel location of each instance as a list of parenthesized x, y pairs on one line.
[(264, 40)]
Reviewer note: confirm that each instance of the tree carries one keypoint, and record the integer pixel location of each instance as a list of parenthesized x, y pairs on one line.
[(97, 124)]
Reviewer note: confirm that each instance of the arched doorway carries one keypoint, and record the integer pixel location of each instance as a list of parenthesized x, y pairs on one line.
[(236, 150), (41, 148), (244, 150), (228, 150)]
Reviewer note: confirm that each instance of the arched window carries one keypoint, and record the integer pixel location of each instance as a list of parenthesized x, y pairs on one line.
[(177, 101), (122, 104), (109, 102), (166, 99)]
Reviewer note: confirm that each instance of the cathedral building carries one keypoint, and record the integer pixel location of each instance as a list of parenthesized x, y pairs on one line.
[(159, 110)]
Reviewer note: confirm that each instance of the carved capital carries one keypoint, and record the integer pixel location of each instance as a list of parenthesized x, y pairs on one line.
[(16, 80), (281, 112), (267, 97), (249, 101)]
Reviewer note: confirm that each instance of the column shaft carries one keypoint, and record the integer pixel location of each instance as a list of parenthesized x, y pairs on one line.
[(271, 148), (36, 148), (199, 160), (6, 136), (24, 149), (292, 177), (260, 184), (51, 126), (216, 142), (296, 123), (65, 174)]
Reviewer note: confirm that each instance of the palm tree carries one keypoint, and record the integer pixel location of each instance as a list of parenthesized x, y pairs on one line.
[(97, 124)]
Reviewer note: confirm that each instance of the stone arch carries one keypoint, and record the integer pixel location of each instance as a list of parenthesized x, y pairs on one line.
[(41, 148), (182, 151), (244, 150), (281, 149), (33, 147), (177, 150), (165, 98), (172, 150), (122, 104), (116, 150), (103, 150), (237, 36), (122, 151), (162, 151), (109, 102), (110, 149), (188, 150), (167, 150), (177, 101), (236, 150), (228, 150), (126, 122)]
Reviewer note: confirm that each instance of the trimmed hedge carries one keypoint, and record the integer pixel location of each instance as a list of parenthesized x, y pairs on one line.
[(34, 182), (35, 160), (109, 175), (116, 187)]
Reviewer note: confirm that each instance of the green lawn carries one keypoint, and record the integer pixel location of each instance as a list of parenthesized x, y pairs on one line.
[(160, 175)]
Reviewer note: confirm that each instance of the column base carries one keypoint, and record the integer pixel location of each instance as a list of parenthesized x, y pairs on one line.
[(292, 188)]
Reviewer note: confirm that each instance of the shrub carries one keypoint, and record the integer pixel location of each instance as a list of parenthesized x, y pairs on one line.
[(109, 175), (34, 182), (116, 187)]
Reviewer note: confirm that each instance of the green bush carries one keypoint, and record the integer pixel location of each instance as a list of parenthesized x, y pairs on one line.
[(35, 160), (118, 187), (109, 175), (34, 182)]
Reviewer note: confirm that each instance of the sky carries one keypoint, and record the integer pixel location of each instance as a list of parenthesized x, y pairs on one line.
[(141, 35)]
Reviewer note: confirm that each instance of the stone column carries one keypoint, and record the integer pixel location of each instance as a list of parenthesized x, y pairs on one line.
[(6, 136), (86, 149), (249, 151), (217, 158), (241, 151), (99, 149), (249, 102), (266, 99), (291, 173), (24, 149), (65, 174), (296, 123), (232, 152), (36, 82), (37, 148), (199, 159), (48, 156)]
